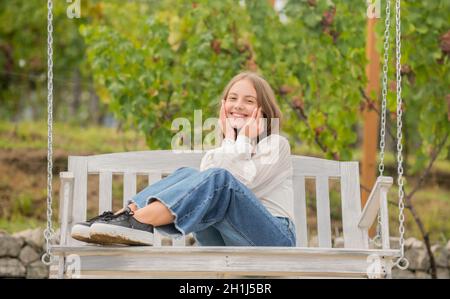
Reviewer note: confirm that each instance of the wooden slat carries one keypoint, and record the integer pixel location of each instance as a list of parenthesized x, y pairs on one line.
[(61, 266), (300, 211), (143, 162), (126, 250), (372, 206), (129, 187), (384, 218), (239, 264), (311, 167), (179, 242), (66, 203), (157, 238), (147, 274), (323, 211), (354, 237), (153, 177), (78, 166), (165, 160), (229, 260), (105, 193), (61, 198)]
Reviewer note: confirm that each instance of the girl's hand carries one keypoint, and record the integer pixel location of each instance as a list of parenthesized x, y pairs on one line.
[(253, 127), (225, 124)]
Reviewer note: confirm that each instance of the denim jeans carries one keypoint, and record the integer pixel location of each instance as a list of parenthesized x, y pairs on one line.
[(217, 208)]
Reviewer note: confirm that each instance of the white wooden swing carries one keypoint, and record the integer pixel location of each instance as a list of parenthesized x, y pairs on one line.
[(76, 259)]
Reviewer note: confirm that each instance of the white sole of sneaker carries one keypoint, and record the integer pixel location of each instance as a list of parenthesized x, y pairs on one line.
[(81, 233), (108, 233)]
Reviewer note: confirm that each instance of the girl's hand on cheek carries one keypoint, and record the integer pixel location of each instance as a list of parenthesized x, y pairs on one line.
[(225, 124), (253, 127)]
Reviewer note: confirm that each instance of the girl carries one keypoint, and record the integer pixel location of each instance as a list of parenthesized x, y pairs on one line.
[(241, 196)]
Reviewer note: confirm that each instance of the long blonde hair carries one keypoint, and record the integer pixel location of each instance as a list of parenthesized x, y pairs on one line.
[(265, 97)]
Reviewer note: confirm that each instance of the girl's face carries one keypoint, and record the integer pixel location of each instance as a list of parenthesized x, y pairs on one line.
[(240, 103)]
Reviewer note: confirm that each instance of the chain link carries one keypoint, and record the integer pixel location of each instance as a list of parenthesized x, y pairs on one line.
[(387, 24), (48, 258), (385, 85), (402, 262)]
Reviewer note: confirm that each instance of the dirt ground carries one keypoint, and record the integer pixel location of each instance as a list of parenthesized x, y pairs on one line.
[(23, 184), (23, 181)]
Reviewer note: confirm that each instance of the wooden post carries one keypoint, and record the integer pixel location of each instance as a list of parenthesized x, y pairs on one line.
[(370, 116)]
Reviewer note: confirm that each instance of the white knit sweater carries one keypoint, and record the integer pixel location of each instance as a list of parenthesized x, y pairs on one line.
[(266, 169)]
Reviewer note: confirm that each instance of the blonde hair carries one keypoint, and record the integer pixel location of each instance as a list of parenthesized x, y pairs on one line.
[(265, 97)]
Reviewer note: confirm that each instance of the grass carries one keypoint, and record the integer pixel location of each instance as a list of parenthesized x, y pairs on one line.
[(390, 158), (69, 138), (433, 205), (20, 223)]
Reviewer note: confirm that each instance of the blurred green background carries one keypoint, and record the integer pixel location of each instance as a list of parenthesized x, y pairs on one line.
[(125, 70)]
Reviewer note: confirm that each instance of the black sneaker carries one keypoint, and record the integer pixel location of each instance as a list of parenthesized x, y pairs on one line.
[(80, 231), (122, 229)]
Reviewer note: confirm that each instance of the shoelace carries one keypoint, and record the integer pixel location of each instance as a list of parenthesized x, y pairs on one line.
[(127, 212), (104, 215)]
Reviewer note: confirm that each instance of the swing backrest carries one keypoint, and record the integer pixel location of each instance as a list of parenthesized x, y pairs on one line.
[(159, 163)]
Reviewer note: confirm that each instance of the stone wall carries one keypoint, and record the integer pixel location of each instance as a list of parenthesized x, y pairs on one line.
[(20, 256), (419, 261)]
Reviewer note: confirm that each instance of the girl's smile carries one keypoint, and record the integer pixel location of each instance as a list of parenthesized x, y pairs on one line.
[(240, 103)]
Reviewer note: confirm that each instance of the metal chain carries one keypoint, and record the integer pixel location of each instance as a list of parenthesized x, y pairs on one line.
[(385, 85), (387, 24), (402, 263), (48, 258)]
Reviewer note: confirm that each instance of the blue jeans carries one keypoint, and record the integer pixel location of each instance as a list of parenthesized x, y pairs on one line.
[(217, 208)]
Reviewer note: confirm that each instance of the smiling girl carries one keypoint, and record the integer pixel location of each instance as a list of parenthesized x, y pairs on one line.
[(241, 196)]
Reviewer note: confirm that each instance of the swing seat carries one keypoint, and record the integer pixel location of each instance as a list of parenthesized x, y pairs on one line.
[(355, 260)]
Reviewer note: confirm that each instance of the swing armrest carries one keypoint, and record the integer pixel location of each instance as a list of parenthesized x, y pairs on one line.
[(65, 204), (369, 213)]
